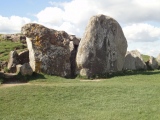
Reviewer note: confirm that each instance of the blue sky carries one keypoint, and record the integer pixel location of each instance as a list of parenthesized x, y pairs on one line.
[(23, 8), (140, 19)]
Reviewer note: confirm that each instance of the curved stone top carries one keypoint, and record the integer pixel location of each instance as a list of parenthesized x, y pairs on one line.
[(41, 34), (33, 29), (103, 46), (49, 49)]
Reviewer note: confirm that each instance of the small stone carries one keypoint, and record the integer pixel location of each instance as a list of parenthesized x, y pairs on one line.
[(26, 69), (152, 63), (134, 61)]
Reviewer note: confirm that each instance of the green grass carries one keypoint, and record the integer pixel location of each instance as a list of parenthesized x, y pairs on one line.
[(1, 80), (7, 46), (145, 57), (134, 96)]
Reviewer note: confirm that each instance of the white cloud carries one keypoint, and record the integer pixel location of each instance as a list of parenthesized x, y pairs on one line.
[(139, 19), (78, 12), (12, 24), (70, 28), (142, 32), (51, 15), (147, 48)]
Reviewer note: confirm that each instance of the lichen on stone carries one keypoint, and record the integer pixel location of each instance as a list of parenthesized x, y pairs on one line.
[(48, 49)]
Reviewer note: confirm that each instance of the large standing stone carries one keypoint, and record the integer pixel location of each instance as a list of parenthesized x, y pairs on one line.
[(13, 61), (152, 63), (49, 50), (134, 61), (158, 59), (102, 48)]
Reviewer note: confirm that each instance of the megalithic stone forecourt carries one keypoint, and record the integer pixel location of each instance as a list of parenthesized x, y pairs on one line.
[(101, 50)]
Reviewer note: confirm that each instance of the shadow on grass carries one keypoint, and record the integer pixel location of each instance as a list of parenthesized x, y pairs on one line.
[(140, 72), (125, 73), (35, 76), (151, 72), (22, 79)]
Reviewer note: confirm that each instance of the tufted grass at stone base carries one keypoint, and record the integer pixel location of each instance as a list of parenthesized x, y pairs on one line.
[(131, 97), (1, 80)]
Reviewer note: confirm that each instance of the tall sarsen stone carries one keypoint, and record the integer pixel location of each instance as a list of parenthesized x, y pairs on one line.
[(102, 48)]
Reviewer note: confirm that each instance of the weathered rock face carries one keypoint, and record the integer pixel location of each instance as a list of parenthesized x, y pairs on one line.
[(49, 50), (152, 63), (26, 69), (18, 68), (102, 48), (158, 59), (23, 57), (73, 52), (14, 37), (3, 64), (134, 61), (13, 61)]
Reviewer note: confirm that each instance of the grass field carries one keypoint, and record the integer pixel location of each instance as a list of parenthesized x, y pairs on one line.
[(7, 46), (135, 96), (145, 57)]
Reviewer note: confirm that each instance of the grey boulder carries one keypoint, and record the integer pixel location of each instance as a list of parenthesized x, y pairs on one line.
[(102, 48), (26, 69), (134, 61)]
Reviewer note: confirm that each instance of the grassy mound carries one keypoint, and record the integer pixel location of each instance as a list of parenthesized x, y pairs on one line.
[(145, 57), (7, 46)]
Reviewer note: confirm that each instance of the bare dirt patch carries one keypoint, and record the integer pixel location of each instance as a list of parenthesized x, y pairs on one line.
[(12, 84), (94, 80)]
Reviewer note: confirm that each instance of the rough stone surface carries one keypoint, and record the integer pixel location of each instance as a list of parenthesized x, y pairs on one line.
[(13, 61), (18, 68), (158, 59), (14, 37), (134, 61), (23, 57), (3, 64), (152, 63), (49, 50), (102, 48), (73, 51), (26, 69), (74, 39)]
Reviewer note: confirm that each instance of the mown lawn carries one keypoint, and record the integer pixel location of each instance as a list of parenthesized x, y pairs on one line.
[(135, 96)]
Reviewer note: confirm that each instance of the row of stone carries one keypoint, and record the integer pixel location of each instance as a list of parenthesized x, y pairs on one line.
[(13, 37), (101, 50), (19, 63), (134, 61)]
